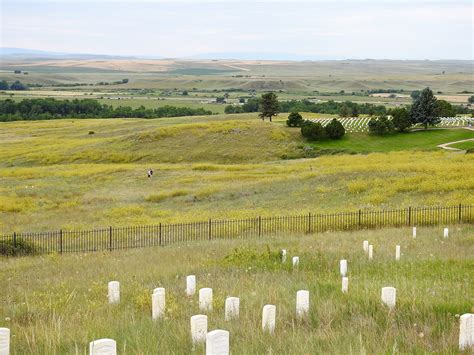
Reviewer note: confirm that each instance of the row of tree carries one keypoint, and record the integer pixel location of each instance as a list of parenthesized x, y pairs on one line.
[(49, 108), (16, 85), (315, 131)]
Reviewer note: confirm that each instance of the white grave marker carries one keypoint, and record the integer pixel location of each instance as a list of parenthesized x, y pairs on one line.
[(268, 318), (389, 296), (343, 267), (217, 342), (371, 251), (345, 284), (199, 328), (296, 261), (283, 255), (158, 302), (446, 232), (4, 341), (365, 245), (302, 303), (466, 331), (114, 292), (414, 232), (103, 347), (232, 308), (205, 299), (190, 285), (397, 252)]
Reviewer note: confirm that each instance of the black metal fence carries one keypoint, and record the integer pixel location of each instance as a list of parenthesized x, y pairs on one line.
[(112, 238)]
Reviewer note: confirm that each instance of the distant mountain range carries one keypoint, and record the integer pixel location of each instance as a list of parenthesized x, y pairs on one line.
[(25, 53)]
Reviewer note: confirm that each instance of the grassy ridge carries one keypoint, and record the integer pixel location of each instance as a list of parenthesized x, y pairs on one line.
[(432, 281), (56, 175)]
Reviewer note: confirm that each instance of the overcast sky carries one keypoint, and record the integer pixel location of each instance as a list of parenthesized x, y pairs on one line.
[(311, 29)]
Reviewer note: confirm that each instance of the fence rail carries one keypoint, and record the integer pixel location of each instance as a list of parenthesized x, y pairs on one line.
[(67, 241)]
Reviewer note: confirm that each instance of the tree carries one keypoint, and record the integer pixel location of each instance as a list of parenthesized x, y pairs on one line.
[(380, 126), (415, 94), (4, 85), (294, 120), (17, 86), (335, 129), (444, 109), (424, 109), (269, 106), (471, 100), (185, 93), (313, 131), (345, 111), (400, 118)]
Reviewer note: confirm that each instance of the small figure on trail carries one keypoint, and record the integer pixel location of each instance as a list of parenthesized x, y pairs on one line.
[(150, 173)]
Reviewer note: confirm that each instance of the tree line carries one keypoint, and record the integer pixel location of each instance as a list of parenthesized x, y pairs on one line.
[(49, 108)]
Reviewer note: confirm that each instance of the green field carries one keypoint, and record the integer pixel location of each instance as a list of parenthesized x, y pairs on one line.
[(463, 145), (58, 304), (56, 174), (417, 140)]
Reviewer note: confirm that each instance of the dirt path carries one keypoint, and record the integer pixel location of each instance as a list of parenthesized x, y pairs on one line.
[(447, 145)]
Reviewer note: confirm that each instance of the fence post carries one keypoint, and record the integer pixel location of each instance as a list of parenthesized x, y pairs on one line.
[(60, 241), (110, 238), (259, 226), (409, 215), (360, 212), (209, 229), (14, 240), (161, 244), (459, 217), (309, 223)]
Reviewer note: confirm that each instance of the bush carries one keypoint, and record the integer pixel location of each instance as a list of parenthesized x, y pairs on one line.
[(335, 129), (20, 247), (380, 126), (294, 120), (400, 119), (313, 131)]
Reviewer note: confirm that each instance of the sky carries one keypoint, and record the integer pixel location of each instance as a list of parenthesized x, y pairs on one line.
[(318, 29)]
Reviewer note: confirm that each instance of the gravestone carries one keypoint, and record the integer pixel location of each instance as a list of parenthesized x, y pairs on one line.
[(4, 341), (371, 251), (217, 342), (190, 285), (466, 331), (232, 308), (389, 296), (345, 284), (414, 232), (158, 302), (114, 292), (296, 261), (103, 347), (283, 255), (302, 303), (343, 267), (365, 245), (446, 232), (397, 252), (268, 318), (199, 328), (205, 299)]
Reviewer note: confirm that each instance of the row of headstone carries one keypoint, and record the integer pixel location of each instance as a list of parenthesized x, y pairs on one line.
[(445, 232)]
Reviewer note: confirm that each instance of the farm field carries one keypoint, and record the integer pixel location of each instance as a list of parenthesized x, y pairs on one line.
[(56, 174), (432, 280)]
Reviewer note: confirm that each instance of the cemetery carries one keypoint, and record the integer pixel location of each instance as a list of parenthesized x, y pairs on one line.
[(286, 293)]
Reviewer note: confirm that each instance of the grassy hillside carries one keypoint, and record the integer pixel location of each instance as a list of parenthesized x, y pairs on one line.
[(432, 280), (54, 174)]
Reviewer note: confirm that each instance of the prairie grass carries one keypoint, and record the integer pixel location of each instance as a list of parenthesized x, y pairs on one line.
[(57, 304)]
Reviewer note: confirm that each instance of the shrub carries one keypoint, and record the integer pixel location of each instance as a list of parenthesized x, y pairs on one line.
[(19, 247), (294, 120), (335, 129), (380, 126), (400, 118), (313, 131)]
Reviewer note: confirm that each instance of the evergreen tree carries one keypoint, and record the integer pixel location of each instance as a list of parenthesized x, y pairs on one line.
[(400, 118), (269, 106), (424, 109), (294, 120), (335, 129)]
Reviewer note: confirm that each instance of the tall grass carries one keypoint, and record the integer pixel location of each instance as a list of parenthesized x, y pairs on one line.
[(57, 304)]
